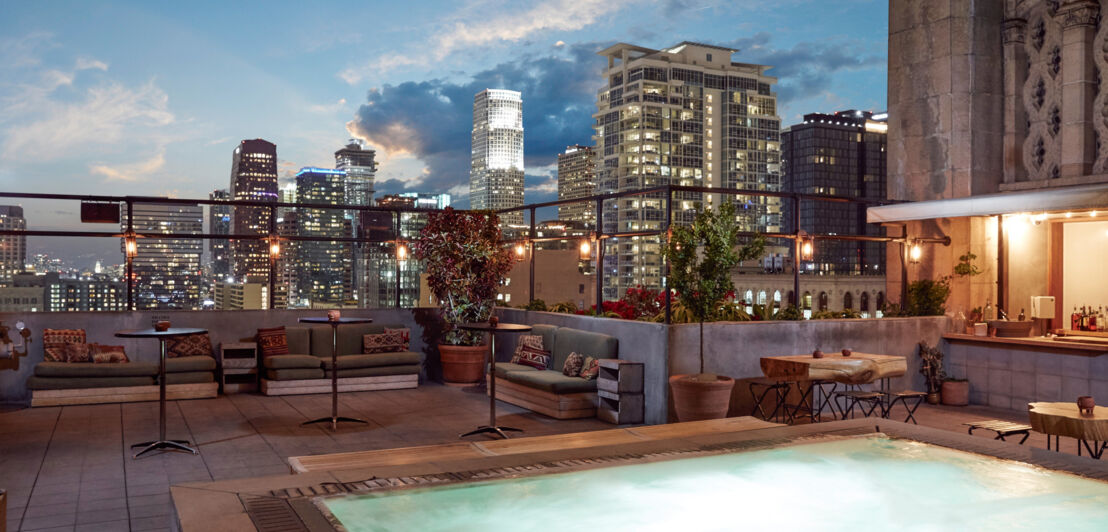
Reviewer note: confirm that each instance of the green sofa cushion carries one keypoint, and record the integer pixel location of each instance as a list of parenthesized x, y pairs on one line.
[(188, 364), (86, 370), (299, 340), (189, 377), (589, 344), (375, 360), (503, 368), (552, 381), (293, 374), (409, 369), (547, 334), (291, 362), (62, 383)]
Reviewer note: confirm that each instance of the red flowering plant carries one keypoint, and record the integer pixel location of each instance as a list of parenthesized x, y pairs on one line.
[(466, 263)]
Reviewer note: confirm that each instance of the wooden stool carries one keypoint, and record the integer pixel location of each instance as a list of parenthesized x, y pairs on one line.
[(780, 389), (860, 398), (1003, 429), (904, 397)]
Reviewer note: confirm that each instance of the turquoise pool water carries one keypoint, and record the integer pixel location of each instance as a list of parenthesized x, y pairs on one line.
[(869, 483)]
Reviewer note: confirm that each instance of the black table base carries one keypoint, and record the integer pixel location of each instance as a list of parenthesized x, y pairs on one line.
[(334, 421), (491, 430), (172, 445), (334, 418)]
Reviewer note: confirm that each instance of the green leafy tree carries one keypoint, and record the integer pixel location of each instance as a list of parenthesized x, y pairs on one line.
[(466, 263), (700, 258)]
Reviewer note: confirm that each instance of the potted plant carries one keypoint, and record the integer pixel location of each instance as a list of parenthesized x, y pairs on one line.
[(931, 367), (955, 392), (927, 297), (465, 263), (700, 259)]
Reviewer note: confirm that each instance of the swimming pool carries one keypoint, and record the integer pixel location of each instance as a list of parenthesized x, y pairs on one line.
[(871, 482)]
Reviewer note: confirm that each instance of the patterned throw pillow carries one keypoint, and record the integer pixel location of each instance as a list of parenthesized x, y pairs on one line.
[(76, 353), (60, 337), (536, 358), (188, 346), (403, 337), (590, 369), (572, 367), (273, 341), (53, 354), (108, 354), (386, 342), (531, 340)]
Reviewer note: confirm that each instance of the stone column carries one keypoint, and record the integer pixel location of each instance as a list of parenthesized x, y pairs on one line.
[(1078, 18), (1015, 110)]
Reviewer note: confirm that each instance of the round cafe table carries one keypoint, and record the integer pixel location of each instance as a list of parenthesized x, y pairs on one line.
[(161, 442), (334, 418), (492, 330), (1064, 419)]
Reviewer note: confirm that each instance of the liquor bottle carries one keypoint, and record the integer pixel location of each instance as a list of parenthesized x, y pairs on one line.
[(1092, 319), (1022, 315), (990, 314), (1075, 320)]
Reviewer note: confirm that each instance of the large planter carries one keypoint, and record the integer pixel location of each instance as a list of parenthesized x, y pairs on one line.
[(697, 400), (955, 393), (462, 363)]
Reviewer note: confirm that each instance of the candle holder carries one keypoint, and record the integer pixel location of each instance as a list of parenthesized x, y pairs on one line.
[(161, 325), (817, 354), (333, 315), (847, 352), (1086, 404)]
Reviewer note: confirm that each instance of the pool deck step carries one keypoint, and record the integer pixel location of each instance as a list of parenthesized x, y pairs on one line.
[(535, 444)]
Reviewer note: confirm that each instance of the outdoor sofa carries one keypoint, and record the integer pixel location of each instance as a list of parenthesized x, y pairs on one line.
[(307, 366), (548, 391), (56, 383)]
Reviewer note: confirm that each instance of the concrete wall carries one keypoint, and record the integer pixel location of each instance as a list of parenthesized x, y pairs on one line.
[(639, 341), (1010, 378), (224, 326), (734, 349)]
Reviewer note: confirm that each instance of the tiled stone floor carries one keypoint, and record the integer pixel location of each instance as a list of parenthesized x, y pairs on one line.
[(69, 468)]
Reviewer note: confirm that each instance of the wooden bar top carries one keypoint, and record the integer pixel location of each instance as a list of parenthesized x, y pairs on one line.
[(858, 368), (1068, 346)]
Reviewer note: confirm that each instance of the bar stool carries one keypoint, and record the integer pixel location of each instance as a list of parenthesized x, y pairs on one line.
[(904, 397), (822, 397), (780, 390), (854, 396)]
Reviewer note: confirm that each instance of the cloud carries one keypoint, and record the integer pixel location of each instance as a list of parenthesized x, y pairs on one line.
[(432, 120), (806, 69), (25, 51), (131, 172), (465, 31), (329, 108), (108, 114)]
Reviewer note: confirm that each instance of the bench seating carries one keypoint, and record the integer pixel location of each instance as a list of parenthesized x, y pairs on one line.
[(548, 392), (64, 383), (307, 369)]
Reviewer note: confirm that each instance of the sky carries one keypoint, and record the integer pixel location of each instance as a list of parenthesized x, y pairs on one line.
[(151, 98)]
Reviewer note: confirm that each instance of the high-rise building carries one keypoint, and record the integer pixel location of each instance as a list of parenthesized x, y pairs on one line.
[(577, 179), (253, 177), (381, 283), (239, 296), (167, 270), (685, 115), (323, 267), (13, 248), (219, 223), (840, 154), (496, 169), (357, 161)]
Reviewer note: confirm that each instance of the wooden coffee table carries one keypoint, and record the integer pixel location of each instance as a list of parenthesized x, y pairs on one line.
[(1064, 419)]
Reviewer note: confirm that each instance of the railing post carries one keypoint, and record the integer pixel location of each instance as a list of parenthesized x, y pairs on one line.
[(796, 254), (531, 246), (669, 226), (599, 256), (396, 257), (130, 257)]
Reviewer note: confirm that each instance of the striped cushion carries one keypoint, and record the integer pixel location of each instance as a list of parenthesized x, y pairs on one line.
[(108, 354), (59, 337), (531, 340), (389, 341), (536, 358), (188, 346)]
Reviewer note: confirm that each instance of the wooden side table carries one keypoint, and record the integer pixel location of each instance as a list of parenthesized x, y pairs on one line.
[(1064, 419), (238, 367), (619, 389)]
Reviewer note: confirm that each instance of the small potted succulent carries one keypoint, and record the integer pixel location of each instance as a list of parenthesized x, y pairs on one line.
[(700, 258), (466, 263)]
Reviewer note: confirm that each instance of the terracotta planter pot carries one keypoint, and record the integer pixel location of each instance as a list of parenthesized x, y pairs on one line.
[(955, 393), (462, 363), (697, 400)]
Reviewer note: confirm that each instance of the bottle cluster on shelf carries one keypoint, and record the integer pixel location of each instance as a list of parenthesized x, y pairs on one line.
[(1087, 318)]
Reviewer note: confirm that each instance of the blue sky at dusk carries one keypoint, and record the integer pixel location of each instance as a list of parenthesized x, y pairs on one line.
[(152, 97)]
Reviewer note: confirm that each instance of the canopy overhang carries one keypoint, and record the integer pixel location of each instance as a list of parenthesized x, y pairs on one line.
[(1076, 198)]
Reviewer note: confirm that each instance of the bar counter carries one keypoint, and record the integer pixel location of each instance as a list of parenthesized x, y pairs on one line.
[(1091, 347)]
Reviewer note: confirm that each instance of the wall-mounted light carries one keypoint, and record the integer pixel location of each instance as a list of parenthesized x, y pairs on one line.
[(584, 251), (915, 252), (520, 250), (274, 246), (401, 251), (807, 245)]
